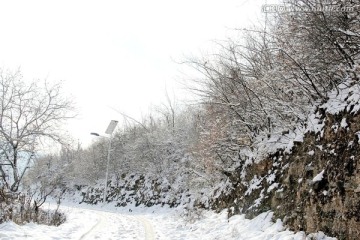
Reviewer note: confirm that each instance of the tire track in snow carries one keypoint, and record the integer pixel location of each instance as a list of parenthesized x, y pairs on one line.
[(149, 231), (105, 218), (93, 228)]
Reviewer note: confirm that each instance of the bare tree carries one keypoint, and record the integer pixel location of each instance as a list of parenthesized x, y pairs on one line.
[(29, 113), (325, 47)]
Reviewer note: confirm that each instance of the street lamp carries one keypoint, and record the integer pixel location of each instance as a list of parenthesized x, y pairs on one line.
[(110, 129)]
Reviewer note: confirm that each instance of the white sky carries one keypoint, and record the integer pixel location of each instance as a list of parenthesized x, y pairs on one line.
[(113, 53)]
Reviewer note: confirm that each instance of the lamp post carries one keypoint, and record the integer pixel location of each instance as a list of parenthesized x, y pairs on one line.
[(110, 129)]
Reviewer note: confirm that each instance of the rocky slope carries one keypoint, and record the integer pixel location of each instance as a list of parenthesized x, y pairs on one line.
[(316, 185), (137, 189)]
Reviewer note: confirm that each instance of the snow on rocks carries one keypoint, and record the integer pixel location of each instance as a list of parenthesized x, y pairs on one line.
[(345, 97), (255, 183), (318, 177)]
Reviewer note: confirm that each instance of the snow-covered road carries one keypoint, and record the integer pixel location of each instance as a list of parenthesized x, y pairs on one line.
[(90, 222), (84, 223), (111, 225)]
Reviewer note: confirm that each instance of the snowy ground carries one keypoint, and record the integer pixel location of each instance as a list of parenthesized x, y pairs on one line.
[(89, 222)]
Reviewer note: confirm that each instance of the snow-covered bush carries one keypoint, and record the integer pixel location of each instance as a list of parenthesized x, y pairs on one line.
[(22, 208)]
